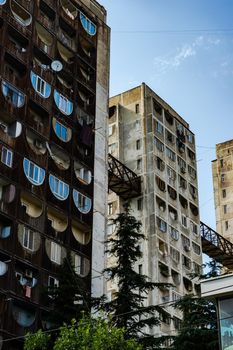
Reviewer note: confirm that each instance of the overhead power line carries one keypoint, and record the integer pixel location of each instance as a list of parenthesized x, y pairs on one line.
[(175, 31)]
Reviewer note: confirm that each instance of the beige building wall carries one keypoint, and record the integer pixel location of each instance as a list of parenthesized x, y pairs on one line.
[(150, 138), (222, 171)]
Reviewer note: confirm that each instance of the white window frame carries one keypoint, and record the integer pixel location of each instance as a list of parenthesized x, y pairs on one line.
[(55, 252), (7, 157), (28, 239), (63, 102), (62, 127), (40, 86)]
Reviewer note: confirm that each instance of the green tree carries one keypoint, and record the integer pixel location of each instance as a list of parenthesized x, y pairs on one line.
[(91, 334), (127, 308), (198, 329), (199, 325), (70, 299)]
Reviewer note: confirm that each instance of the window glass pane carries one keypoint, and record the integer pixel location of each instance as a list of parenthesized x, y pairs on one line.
[(59, 188), (62, 103), (33, 172), (82, 202), (88, 25)]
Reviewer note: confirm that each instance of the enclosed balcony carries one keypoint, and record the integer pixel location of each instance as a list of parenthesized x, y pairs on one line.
[(29, 244), (87, 25), (33, 177), (64, 105), (12, 95), (62, 131), (17, 44), (57, 224), (58, 192), (55, 253), (83, 174)]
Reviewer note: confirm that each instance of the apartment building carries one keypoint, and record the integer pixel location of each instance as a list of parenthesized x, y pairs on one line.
[(222, 172), (53, 176), (151, 139)]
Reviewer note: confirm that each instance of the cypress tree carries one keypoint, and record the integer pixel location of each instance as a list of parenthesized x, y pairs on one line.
[(128, 309)]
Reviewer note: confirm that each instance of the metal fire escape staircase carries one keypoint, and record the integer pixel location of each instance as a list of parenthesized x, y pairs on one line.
[(122, 180), (216, 246), (126, 184)]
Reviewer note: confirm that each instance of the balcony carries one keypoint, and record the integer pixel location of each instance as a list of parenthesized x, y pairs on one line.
[(36, 147), (87, 51), (46, 15), (57, 225), (5, 271), (86, 99), (65, 84), (21, 19), (25, 282), (8, 196), (67, 34), (24, 318), (17, 44), (44, 39), (38, 118), (6, 234), (67, 56), (59, 162), (42, 65), (86, 75), (69, 12), (31, 210)]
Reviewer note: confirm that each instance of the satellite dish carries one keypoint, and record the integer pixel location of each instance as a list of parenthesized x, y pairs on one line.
[(56, 66)]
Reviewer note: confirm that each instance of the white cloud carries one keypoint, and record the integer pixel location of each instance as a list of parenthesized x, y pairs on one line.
[(173, 61)]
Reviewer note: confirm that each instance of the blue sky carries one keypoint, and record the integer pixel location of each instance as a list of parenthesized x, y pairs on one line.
[(183, 49)]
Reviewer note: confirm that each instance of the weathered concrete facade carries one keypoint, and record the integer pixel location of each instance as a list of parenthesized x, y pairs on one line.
[(222, 171), (150, 138), (100, 165)]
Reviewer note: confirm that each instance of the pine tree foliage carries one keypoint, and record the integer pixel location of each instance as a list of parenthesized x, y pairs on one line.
[(128, 309), (70, 299), (199, 325)]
